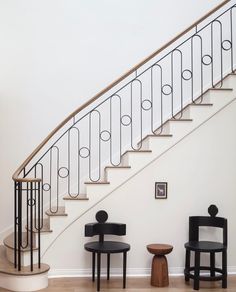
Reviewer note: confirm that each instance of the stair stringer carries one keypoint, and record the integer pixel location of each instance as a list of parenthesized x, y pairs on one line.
[(157, 146)]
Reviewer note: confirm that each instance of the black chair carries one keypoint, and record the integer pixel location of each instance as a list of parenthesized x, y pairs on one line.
[(105, 247), (210, 247)]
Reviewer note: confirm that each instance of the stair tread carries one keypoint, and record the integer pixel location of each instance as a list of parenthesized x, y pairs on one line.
[(201, 104), (117, 167), (9, 242), (138, 151), (181, 120), (76, 197), (97, 183), (45, 228), (229, 89), (60, 211), (156, 136), (8, 268)]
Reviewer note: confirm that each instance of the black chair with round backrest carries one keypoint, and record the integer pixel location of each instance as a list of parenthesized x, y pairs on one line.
[(101, 246), (211, 247)]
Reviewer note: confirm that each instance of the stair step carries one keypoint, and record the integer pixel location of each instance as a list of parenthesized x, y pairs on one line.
[(97, 183), (45, 228), (60, 211), (8, 268), (80, 197), (137, 151), (9, 242), (224, 89), (156, 136), (117, 167), (201, 104), (181, 120)]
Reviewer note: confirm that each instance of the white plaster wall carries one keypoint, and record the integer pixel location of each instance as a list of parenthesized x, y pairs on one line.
[(200, 171), (55, 54)]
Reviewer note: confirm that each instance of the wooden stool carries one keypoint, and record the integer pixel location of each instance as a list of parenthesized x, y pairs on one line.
[(159, 276)]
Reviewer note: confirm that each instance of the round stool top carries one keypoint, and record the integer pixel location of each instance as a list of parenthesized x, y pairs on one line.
[(159, 249)]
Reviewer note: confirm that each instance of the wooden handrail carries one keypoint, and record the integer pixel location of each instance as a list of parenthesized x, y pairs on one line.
[(94, 98)]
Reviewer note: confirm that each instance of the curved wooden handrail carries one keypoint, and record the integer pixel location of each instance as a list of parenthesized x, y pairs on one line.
[(94, 98)]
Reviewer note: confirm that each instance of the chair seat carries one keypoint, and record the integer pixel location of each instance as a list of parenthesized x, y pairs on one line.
[(107, 247), (205, 246)]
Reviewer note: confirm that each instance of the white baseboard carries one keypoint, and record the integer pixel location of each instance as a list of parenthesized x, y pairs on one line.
[(131, 272)]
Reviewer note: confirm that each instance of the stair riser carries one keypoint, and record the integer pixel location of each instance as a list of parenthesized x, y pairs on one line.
[(117, 176), (159, 145), (230, 82), (180, 129), (24, 283), (25, 256), (165, 130), (219, 97), (138, 160)]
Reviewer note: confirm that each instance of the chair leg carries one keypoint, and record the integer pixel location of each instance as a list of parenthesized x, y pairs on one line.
[(224, 268), (187, 264), (196, 271), (212, 264), (93, 266), (108, 266), (98, 270), (124, 269)]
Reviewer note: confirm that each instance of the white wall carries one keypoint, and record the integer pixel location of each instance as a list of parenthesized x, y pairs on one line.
[(55, 54), (200, 171)]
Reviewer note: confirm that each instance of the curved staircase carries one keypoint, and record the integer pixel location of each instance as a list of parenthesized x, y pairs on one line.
[(111, 138)]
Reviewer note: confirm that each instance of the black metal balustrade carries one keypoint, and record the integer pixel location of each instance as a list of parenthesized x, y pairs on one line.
[(118, 118)]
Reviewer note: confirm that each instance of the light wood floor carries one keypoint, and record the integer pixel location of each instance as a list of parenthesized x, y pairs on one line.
[(177, 284)]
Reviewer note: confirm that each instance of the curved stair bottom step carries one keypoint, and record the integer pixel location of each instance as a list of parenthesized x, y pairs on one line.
[(24, 280), (23, 283)]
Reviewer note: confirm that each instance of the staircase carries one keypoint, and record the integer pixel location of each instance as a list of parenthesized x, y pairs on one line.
[(114, 136)]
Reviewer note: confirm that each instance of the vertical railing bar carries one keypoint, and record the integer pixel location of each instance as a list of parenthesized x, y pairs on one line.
[(141, 113), (100, 148), (110, 128), (15, 224), (192, 68), (172, 85), (221, 55), (131, 114), (39, 231), (212, 55), (27, 213), (231, 36), (68, 162), (19, 223), (50, 180), (152, 104), (31, 204), (57, 191), (78, 162), (90, 145)]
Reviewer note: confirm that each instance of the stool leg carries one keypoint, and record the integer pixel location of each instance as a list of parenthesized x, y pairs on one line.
[(98, 270), (93, 266), (108, 266), (212, 264), (124, 269), (196, 271), (187, 264), (224, 268)]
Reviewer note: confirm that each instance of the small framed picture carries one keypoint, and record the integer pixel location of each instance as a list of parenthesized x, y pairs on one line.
[(161, 190)]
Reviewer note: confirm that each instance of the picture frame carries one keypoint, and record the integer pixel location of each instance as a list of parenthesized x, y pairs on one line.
[(161, 190)]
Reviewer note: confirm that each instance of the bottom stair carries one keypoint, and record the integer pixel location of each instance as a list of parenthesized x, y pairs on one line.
[(24, 280)]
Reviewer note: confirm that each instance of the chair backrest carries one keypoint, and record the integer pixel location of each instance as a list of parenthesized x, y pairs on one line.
[(101, 227), (209, 221)]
